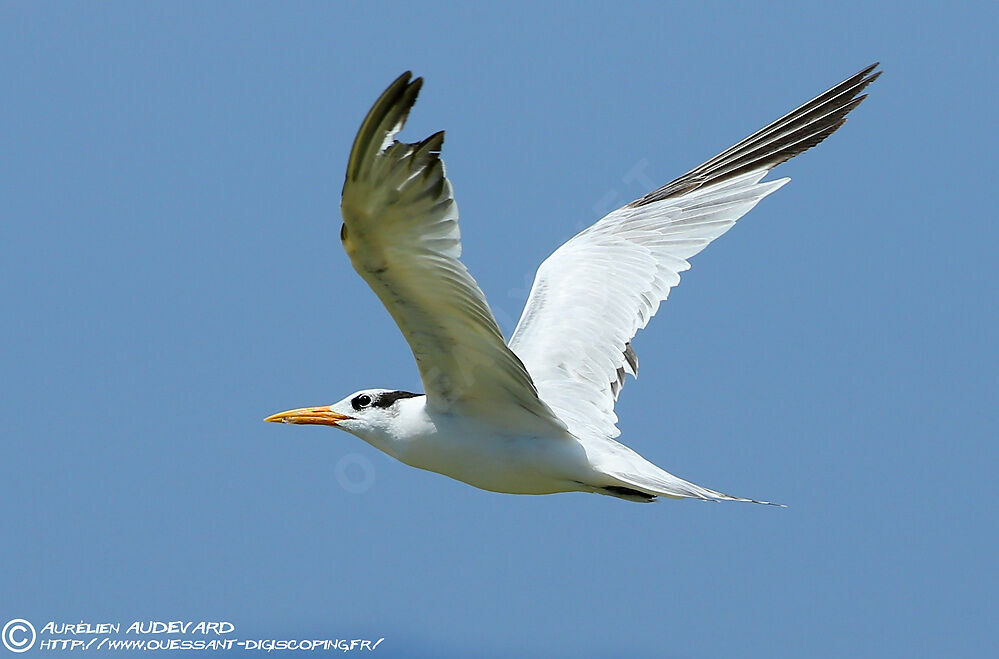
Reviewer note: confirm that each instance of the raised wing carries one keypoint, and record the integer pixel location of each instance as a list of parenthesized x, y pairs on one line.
[(400, 229), (596, 291)]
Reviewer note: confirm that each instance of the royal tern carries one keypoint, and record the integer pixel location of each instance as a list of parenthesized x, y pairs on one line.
[(535, 415)]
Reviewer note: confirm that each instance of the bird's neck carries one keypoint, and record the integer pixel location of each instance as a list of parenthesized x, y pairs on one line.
[(403, 431)]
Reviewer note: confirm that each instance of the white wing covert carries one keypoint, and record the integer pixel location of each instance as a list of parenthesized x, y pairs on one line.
[(594, 293), (401, 233)]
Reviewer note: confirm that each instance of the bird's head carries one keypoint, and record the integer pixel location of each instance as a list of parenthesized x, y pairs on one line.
[(371, 414)]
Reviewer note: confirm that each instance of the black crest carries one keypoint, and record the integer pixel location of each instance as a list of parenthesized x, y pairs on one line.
[(389, 397)]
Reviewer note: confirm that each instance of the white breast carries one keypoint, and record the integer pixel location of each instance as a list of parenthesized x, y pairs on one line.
[(477, 454)]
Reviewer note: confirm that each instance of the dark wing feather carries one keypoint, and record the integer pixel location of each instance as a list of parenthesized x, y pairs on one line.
[(795, 132), (401, 233)]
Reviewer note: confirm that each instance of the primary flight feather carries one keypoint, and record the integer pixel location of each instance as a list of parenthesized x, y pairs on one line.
[(535, 416)]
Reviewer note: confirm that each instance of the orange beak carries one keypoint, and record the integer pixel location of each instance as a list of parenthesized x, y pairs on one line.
[(312, 415)]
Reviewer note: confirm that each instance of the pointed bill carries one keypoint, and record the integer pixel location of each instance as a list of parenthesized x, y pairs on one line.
[(321, 416)]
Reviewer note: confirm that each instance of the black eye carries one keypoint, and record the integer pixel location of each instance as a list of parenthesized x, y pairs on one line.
[(361, 401)]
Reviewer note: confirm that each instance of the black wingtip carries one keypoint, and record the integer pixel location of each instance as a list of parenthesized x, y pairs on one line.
[(429, 148), (404, 80), (868, 75), (432, 143), (794, 133), (416, 86), (388, 112)]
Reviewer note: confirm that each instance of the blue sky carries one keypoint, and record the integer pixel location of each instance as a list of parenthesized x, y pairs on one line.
[(170, 177)]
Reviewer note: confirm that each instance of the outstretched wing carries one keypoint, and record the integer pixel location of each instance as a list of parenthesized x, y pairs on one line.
[(597, 290), (400, 229)]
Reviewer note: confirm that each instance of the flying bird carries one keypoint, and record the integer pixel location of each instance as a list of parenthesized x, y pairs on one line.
[(534, 415)]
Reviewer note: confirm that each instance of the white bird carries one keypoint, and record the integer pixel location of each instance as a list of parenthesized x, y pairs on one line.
[(535, 415)]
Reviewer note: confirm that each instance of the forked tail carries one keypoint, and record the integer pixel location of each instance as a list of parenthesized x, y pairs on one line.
[(645, 488), (637, 479)]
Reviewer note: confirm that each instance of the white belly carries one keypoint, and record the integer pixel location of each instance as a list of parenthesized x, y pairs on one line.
[(516, 464)]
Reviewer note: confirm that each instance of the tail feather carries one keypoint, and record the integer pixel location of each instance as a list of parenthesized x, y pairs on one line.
[(667, 485), (637, 479)]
